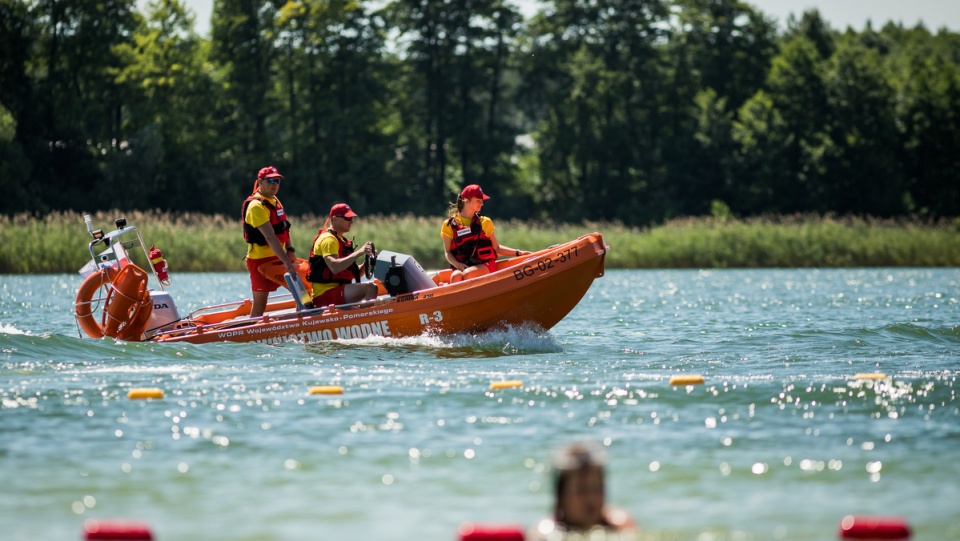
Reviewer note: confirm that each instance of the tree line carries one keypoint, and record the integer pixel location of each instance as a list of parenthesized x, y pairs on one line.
[(634, 111)]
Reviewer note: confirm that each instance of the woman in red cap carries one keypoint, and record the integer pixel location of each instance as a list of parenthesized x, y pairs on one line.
[(333, 262), (267, 233), (469, 244)]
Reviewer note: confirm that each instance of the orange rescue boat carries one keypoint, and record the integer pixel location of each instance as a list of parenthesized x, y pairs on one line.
[(538, 289)]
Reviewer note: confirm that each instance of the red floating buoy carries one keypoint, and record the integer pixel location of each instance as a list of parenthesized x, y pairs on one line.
[(116, 530), (470, 531), (871, 527)]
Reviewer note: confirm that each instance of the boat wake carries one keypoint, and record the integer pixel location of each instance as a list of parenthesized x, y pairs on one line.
[(510, 340), (6, 328)]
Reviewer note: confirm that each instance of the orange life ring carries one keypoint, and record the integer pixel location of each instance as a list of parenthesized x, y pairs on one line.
[(84, 312), (126, 302), (127, 308)]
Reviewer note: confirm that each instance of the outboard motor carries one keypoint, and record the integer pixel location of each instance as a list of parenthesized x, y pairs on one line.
[(403, 275), (396, 279), (164, 311)]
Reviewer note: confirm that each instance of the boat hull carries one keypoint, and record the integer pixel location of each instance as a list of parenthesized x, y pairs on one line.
[(539, 289)]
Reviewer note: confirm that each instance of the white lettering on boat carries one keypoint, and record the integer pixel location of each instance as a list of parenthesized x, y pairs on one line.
[(425, 319), (228, 334), (317, 336), (297, 332), (365, 313), (363, 330)]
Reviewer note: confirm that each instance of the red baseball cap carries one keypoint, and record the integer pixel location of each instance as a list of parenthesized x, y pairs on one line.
[(269, 172), (473, 190), (342, 209)]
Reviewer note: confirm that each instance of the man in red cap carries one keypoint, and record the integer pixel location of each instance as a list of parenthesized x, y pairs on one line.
[(267, 233), (333, 262), (469, 244)]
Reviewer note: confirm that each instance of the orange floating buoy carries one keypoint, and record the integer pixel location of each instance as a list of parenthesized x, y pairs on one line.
[(693, 379), (873, 375), (874, 527), (509, 384), (144, 393), (116, 530), (469, 531), (326, 389)]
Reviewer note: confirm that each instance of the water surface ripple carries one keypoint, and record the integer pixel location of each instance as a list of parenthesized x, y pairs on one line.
[(779, 443)]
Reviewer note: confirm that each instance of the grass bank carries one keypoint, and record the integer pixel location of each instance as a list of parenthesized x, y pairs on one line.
[(56, 243)]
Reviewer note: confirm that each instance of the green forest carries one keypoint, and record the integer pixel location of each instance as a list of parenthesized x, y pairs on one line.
[(628, 111)]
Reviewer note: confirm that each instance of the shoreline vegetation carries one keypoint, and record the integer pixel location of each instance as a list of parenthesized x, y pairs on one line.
[(56, 242)]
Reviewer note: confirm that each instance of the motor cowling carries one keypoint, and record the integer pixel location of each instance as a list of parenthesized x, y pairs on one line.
[(159, 265)]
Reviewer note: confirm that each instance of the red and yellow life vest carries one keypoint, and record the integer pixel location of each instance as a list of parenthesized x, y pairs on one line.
[(470, 245), (319, 271), (278, 218)]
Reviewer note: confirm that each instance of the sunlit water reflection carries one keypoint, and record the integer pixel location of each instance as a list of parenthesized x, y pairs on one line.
[(780, 442)]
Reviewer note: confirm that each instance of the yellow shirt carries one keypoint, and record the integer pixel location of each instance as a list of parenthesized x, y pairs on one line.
[(257, 215), (486, 224), (326, 244)]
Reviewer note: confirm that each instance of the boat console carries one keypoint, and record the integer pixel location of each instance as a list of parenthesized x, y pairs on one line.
[(402, 273)]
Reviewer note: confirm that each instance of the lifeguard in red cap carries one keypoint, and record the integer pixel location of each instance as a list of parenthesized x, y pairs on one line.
[(333, 262), (267, 233), (468, 240)]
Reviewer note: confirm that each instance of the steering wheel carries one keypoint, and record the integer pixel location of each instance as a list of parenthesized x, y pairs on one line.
[(370, 262)]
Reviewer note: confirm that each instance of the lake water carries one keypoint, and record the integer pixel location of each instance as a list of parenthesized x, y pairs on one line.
[(780, 442)]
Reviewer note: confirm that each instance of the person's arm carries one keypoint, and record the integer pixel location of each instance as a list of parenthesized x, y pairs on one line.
[(339, 264), (447, 242), (505, 251), (277, 246), (618, 519)]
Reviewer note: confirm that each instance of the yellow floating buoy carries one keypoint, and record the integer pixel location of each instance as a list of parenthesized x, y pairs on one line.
[(693, 379), (141, 394), (874, 375), (326, 389), (505, 384)]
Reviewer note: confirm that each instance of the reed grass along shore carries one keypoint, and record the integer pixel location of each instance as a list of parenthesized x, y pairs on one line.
[(55, 243)]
